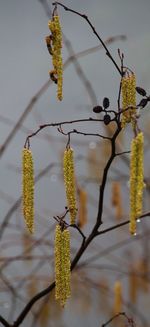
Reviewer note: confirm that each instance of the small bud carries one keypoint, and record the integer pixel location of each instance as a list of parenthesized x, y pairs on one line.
[(97, 109), (106, 103), (141, 91), (107, 119), (143, 103)]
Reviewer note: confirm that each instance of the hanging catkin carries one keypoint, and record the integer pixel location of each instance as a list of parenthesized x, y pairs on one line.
[(28, 189), (62, 265), (82, 211), (55, 51), (133, 284), (128, 85), (136, 180), (69, 180), (116, 199), (143, 269), (117, 297)]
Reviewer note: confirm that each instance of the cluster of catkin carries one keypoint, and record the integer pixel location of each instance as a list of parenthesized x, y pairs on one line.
[(69, 180), (136, 180), (62, 264), (128, 85), (55, 50), (28, 189)]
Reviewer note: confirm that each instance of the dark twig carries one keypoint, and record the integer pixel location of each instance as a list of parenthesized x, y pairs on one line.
[(67, 122), (4, 322), (94, 31), (74, 262), (121, 224), (43, 89), (74, 131), (129, 320), (80, 231), (121, 153), (23, 116)]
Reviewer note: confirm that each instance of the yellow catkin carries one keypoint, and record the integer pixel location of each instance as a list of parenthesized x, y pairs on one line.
[(136, 180), (69, 180), (128, 85), (55, 51), (117, 297), (82, 212), (116, 199), (133, 284), (28, 189), (143, 269), (62, 265)]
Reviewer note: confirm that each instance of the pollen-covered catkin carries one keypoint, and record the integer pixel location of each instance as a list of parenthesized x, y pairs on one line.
[(69, 180), (128, 89), (67, 264), (28, 189), (136, 180), (55, 28), (62, 265), (117, 297), (58, 249)]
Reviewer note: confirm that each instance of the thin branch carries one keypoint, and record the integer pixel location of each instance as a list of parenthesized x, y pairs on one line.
[(121, 153), (43, 89), (31, 303), (4, 322), (94, 31), (92, 235), (121, 224), (67, 122), (75, 131), (80, 231), (23, 116), (129, 320), (113, 247)]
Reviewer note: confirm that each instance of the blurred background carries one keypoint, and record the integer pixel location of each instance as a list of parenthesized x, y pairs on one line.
[(28, 100)]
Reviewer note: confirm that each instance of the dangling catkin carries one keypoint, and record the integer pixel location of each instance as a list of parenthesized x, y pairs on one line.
[(69, 180), (28, 189), (116, 199), (55, 51), (133, 284), (136, 180), (143, 269), (128, 85), (117, 297), (82, 212), (62, 265)]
